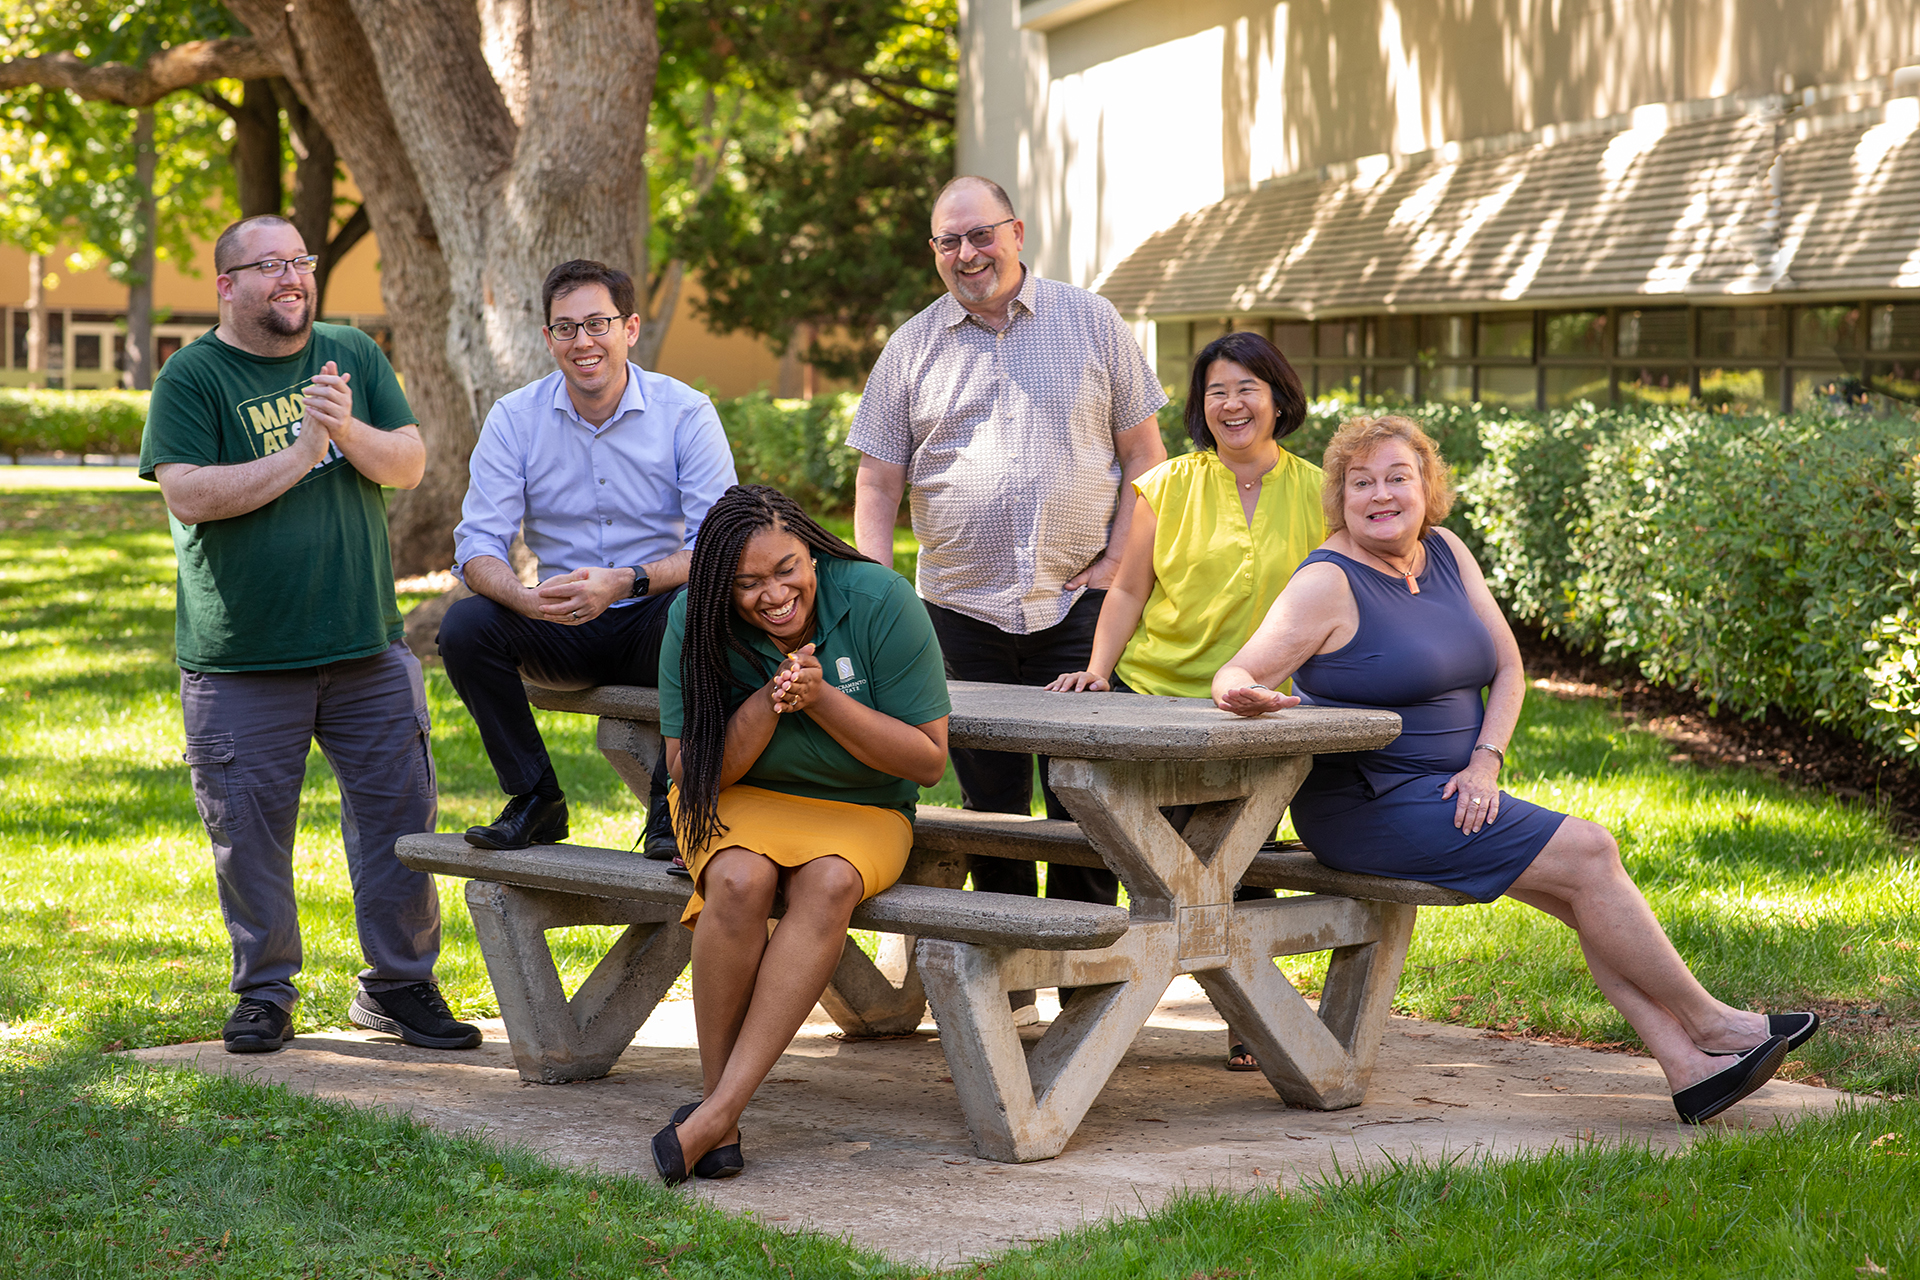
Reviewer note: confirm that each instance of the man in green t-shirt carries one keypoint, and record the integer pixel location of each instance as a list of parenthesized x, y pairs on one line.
[(270, 438)]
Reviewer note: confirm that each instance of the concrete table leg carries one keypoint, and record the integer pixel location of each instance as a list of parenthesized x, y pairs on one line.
[(1022, 1106), (884, 996), (554, 1039)]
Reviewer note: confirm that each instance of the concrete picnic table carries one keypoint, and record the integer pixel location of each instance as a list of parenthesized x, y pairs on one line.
[(1116, 761)]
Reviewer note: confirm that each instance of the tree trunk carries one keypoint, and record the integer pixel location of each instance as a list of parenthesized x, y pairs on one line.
[(350, 106), (256, 147), (36, 320), (140, 269), (511, 200), (473, 198)]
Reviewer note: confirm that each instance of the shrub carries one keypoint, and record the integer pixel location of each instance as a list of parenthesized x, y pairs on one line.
[(797, 446), (71, 421), (1757, 560)]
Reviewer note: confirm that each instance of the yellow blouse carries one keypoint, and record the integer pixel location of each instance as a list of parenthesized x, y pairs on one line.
[(1214, 576)]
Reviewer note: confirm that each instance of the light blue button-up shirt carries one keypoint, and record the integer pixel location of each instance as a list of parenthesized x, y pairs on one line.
[(627, 493)]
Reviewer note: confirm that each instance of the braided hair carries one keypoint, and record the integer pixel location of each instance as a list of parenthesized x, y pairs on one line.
[(706, 672)]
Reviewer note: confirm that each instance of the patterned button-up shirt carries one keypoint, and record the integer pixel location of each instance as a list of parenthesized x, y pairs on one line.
[(1008, 443)]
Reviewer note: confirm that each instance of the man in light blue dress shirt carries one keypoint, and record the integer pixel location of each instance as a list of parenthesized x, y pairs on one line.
[(608, 471)]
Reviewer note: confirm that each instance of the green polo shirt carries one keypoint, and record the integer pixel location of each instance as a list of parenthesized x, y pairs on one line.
[(876, 645)]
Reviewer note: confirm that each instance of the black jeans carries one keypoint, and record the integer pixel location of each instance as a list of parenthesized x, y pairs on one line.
[(488, 648), (1002, 781)]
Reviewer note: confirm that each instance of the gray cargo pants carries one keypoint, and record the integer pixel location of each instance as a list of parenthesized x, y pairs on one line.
[(247, 739)]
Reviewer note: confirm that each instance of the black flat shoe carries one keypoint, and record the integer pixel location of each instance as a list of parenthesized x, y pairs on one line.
[(1797, 1028), (1707, 1099), (721, 1162), (527, 820), (667, 1156)]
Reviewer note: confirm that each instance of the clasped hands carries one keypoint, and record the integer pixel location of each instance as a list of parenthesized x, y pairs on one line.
[(799, 683), (581, 595)]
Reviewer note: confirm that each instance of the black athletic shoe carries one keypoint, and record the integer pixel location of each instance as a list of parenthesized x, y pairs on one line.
[(526, 820), (257, 1026), (416, 1014), (661, 843)]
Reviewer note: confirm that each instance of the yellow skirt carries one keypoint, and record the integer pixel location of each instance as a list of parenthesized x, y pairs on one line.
[(794, 830)]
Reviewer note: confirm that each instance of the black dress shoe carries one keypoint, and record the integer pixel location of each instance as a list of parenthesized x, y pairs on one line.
[(721, 1162), (1797, 1028), (661, 843), (1707, 1099), (526, 820)]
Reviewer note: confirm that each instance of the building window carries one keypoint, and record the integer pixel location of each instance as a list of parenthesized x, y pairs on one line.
[(1738, 358)]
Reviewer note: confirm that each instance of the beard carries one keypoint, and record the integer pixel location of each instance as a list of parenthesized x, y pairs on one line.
[(270, 325), (980, 287)]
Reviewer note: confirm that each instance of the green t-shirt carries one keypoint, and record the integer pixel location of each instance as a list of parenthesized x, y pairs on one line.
[(308, 578), (875, 643)]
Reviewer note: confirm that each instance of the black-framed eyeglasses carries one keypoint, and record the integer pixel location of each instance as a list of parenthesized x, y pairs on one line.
[(596, 327), (979, 237), (306, 265)]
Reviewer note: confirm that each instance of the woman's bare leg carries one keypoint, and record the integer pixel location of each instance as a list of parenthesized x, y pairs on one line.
[(1578, 878), (738, 886), (793, 969)]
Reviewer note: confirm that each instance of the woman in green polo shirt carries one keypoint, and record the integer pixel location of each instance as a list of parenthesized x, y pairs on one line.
[(804, 703), (1216, 533)]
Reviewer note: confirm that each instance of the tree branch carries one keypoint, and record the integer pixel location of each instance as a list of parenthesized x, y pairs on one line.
[(180, 67)]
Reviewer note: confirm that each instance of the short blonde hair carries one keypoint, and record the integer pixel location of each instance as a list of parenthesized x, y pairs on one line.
[(1358, 437)]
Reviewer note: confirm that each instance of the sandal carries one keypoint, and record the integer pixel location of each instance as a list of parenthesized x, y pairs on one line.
[(1240, 1058)]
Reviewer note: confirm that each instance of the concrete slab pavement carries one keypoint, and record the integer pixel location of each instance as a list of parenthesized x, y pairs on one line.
[(865, 1139)]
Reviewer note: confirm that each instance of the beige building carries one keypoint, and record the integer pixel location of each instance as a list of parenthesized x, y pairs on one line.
[(1521, 202), (86, 338)]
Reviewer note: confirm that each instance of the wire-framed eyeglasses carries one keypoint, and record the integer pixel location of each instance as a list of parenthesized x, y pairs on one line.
[(596, 327), (306, 265), (979, 237)]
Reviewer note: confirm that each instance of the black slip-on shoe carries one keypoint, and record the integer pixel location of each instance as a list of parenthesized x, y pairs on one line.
[(661, 843), (417, 1014), (667, 1156), (721, 1162), (257, 1026), (527, 820), (1707, 1099), (1796, 1028)]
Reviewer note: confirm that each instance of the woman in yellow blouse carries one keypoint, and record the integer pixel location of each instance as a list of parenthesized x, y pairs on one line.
[(1216, 533)]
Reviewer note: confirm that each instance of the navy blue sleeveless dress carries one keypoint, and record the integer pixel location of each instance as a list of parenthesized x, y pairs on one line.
[(1426, 657)]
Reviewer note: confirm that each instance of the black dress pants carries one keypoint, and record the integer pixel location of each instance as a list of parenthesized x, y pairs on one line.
[(488, 648), (1002, 781)]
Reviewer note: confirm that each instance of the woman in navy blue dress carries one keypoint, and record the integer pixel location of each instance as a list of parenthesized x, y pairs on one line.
[(1392, 613)]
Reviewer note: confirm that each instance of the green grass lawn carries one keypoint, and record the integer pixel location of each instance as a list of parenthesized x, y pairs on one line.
[(110, 937)]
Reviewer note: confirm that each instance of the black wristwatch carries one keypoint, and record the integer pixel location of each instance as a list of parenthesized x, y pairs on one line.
[(641, 583)]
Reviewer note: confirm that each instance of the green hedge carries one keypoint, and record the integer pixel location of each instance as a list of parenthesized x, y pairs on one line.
[(1757, 560), (71, 421)]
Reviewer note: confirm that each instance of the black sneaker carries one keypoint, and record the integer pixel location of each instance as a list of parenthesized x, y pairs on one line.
[(417, 1014), (257, 1026)]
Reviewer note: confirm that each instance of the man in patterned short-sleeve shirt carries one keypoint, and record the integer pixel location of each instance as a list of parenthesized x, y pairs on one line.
[(1020, 410)]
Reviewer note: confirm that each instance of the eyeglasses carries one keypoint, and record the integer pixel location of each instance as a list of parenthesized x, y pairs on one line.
[(278, 266), (596, 327), (979, 237)]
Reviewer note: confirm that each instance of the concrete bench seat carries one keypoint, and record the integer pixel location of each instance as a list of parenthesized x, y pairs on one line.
[(926, 911), (1288, 865)]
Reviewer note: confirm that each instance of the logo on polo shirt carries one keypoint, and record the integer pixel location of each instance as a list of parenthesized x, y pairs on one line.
[(843, 668)]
